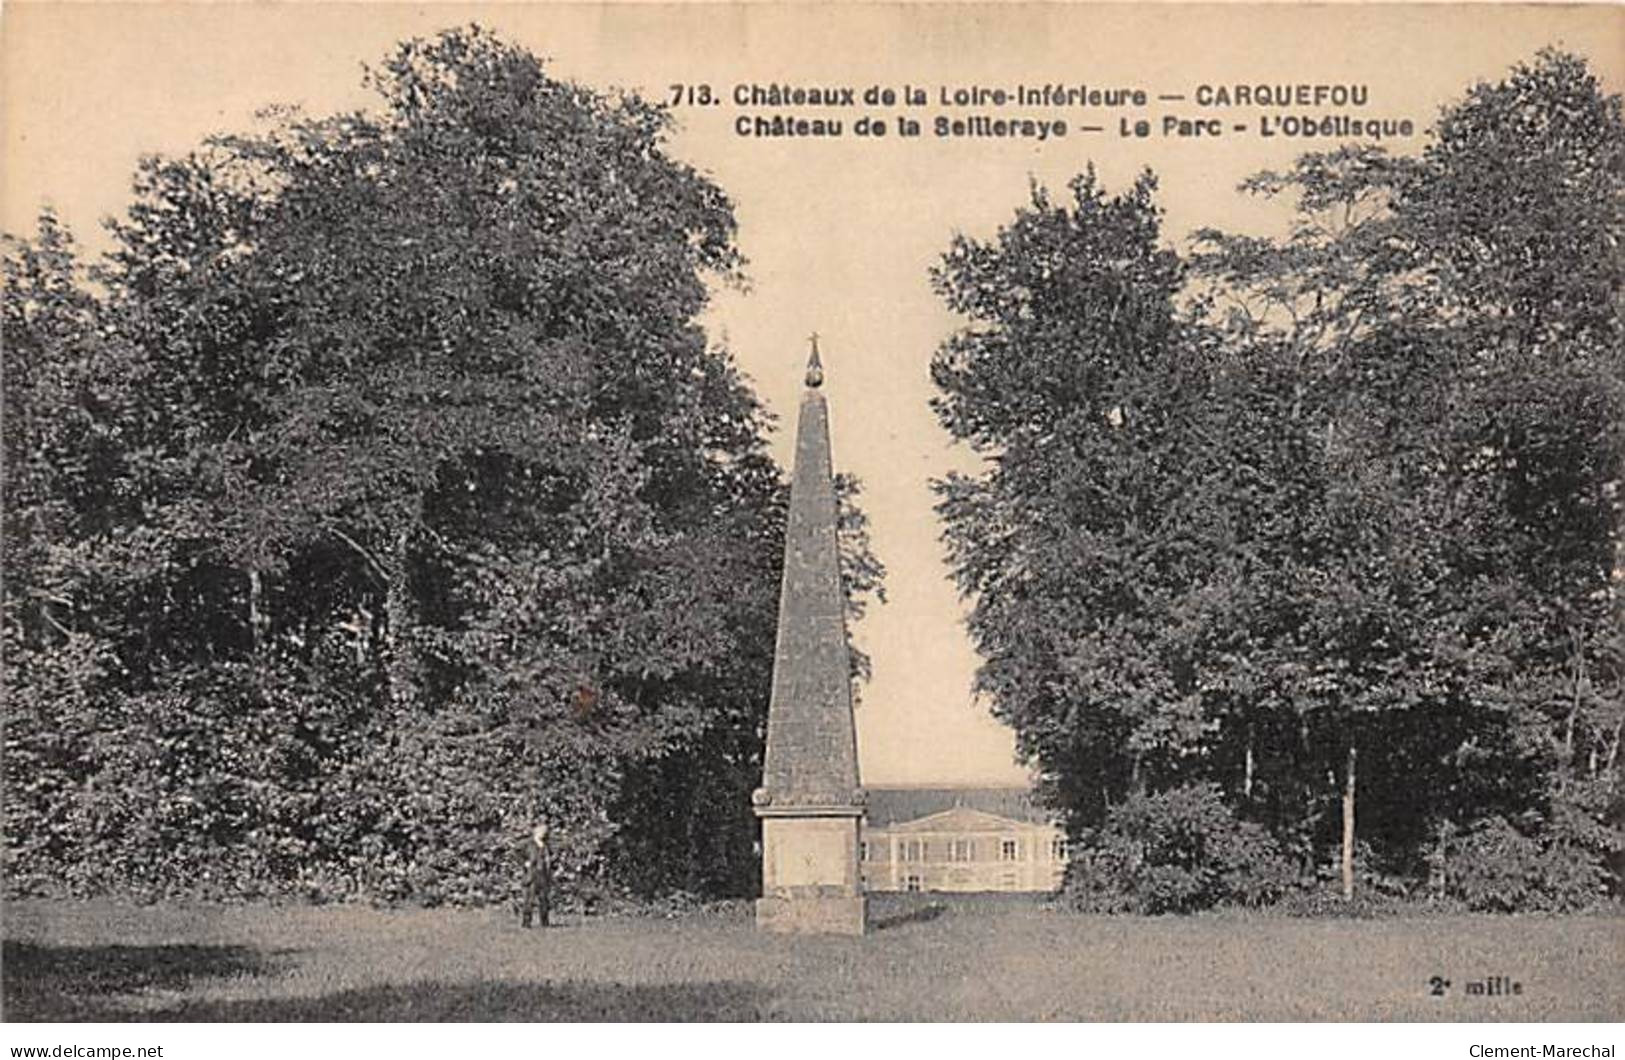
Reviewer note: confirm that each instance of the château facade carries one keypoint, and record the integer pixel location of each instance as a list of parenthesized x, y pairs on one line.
[(959, 839)]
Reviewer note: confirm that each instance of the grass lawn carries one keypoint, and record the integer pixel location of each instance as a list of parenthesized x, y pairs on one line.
[(964, 959)]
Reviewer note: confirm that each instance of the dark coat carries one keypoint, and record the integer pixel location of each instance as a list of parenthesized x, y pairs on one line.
[(538, 882)]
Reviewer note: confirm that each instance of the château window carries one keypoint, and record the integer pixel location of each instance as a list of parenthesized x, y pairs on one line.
[(963, 850), (1057, 849), (863, 851), (911, 882), (1007, 850)]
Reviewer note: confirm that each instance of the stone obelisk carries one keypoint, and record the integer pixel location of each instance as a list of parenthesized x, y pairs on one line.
[(810, 802)]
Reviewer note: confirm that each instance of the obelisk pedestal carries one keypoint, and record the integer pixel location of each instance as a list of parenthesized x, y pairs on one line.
[(810, 882), (810, 803)]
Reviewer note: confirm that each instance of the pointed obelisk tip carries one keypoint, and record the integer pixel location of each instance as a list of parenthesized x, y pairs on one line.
[(815, 367)]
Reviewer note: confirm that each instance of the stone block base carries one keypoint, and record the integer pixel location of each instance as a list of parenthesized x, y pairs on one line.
[(813, 915)]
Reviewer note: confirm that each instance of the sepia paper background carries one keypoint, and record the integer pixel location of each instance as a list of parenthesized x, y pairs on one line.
[(840, 234)]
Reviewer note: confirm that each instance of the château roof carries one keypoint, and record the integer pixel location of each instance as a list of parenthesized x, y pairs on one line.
[(961, 820), (889, 806)]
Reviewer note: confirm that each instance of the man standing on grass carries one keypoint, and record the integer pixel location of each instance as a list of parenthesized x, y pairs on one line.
[(538, 878)]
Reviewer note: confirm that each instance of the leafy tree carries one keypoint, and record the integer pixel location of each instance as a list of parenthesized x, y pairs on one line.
[(457, 520), (1070, 381), (1456, 311), (1316, 516), (63, 399)]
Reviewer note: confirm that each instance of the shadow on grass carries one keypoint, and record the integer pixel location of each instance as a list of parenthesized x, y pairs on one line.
[(494, 1002), (910, 916), (74, 984), (102, 984)]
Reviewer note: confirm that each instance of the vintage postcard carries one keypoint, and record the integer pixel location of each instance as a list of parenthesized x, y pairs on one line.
[(892, 512)]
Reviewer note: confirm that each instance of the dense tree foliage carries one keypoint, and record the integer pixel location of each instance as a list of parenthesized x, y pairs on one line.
[(386, 496), (1329, 521)]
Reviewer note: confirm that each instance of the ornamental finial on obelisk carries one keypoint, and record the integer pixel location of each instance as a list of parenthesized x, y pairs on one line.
[(815, 367)]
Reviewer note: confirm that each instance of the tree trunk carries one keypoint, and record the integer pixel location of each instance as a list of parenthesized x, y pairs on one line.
[(1574, 713), (1348, 826), (1307, 852), (1247, 775), (256, 613), (1438, 864), (691, 838), (399, 664)]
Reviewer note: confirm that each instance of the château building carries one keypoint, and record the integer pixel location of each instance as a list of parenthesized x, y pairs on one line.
[(959, 839)]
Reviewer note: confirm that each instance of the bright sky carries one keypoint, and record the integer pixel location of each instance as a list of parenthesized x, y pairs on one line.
[(840, 233)]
